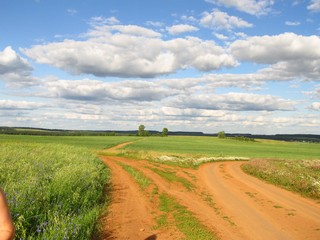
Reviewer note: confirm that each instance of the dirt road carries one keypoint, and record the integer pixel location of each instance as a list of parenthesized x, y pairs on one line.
[(231, 204), (261, 210)]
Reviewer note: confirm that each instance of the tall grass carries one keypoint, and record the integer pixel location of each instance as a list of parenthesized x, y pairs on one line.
[(54, 191), (298, 176)]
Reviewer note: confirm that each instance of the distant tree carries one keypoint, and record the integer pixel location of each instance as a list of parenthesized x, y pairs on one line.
[(221, 134), (165, 132), (141, 130)]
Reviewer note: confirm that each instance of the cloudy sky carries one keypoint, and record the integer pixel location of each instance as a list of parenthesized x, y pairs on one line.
[(188, 65)]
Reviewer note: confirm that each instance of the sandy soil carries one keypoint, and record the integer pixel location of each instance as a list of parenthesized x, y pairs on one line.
[(230, 203)]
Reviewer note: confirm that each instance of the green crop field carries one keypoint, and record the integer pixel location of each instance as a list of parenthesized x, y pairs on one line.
[(92, 142), (211, 146), (54, 185)]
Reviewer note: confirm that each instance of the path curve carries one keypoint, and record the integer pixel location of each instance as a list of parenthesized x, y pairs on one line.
[(261, 210)]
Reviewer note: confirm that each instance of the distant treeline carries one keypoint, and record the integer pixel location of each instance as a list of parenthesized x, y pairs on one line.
[(53, 132), (59, 132)]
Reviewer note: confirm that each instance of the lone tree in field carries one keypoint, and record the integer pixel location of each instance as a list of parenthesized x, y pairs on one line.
[(165, 132), (142, 131), (221, 134)]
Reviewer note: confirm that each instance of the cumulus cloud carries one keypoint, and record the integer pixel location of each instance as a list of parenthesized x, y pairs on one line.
[(98, 91), (15, 70), (314, 5), (253, 7), (181, 28), (221, 36), (10, 61), (118, 51), (221, 20), (233, 102), (289, 54), (272, 49)]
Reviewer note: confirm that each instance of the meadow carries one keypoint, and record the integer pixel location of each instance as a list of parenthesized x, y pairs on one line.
[(54, 185), (91, 142), (193, 151)]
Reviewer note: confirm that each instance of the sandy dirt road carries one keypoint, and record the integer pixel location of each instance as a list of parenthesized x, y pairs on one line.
[(231, 204), (261, 210)]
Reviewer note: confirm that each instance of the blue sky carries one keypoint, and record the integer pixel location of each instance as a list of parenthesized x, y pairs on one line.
[(196, 65)]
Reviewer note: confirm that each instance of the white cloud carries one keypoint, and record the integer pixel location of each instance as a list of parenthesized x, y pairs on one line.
[(154, 24), (100, 21), (290, 23), (130, 51), (291, 55), (272, 49), (72, 12), (15, 71), (314, 5), (181, 28), (102, 33), (100, 92), (240, 35), (191, 19), (233, 102), (221, 20), (10, 61), (254, 7), (220, 36), (21, 105)]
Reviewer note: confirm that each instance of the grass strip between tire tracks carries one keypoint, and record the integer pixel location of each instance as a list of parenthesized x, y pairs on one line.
[(142, 180), (183, 219), (172, 177)]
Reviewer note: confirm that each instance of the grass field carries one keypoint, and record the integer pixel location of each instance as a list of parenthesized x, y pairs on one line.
[(211, 146), (92, 142), (54, 185)]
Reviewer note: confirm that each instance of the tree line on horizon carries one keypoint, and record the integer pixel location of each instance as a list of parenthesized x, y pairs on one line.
[(59, 132)]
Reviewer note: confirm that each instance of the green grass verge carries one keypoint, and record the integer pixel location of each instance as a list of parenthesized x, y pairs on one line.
[(298, 176), (138, 176), (54, 191), (171, 176), (212, 146), (183, 220)]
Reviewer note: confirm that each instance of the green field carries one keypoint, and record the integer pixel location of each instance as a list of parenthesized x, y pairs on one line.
[(54, 185), (92, 142), (211, 146)]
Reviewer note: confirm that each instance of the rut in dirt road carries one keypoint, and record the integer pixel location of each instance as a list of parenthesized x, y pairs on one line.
[(229, 203)]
